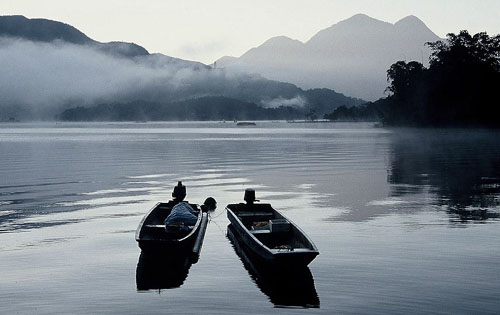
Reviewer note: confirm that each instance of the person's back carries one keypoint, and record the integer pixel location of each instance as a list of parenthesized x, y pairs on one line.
[(182, 214)]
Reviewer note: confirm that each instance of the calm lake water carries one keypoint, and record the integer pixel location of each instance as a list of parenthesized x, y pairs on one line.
[(406, 221)]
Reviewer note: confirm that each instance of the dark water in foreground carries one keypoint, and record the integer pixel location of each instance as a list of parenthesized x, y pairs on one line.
[(406, 221)]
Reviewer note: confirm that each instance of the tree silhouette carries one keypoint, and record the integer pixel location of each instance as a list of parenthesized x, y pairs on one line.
[(458, 89)]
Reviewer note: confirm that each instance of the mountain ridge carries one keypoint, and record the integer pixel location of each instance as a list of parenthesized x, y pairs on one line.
[(39, 29), (351, 56), (44, 30)]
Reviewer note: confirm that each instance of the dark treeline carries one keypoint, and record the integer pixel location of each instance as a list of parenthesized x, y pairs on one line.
[(317, 101), (365, 112), (458, 89), (242, 103), (204, 108)]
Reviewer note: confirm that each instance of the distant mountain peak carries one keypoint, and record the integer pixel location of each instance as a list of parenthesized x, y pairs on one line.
[(360, 16), (413, 25), (360, 19), (280, 41), (281, 38), (279, 45), (410, 20), (354, 26)]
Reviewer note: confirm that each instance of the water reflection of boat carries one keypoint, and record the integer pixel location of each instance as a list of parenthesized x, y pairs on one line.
[(161, 271), (284, 287), (272, 237)]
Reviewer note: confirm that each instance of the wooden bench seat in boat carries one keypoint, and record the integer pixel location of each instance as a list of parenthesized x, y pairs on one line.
[(260, 231), (155, 226), (162, 226), (252, 214)]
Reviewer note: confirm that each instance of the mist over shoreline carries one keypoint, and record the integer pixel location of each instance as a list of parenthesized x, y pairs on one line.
[(46, 77), (40, 80)]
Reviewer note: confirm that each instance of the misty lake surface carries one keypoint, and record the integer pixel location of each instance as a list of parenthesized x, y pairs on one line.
[(406, 220)]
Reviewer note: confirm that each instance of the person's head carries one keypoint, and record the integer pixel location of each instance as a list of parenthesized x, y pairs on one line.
[(179, 192), (210, 204)]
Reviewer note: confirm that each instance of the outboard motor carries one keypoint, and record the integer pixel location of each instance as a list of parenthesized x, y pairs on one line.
[(209, 205), (250, 196)]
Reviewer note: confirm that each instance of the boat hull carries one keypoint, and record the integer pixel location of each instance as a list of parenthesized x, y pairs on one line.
[(290, 249), (152, 237)]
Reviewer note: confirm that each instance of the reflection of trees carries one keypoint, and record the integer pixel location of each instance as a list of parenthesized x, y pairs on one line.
[(461, 167)]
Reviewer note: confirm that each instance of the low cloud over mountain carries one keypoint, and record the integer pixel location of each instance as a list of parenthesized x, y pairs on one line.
[(49, 66)]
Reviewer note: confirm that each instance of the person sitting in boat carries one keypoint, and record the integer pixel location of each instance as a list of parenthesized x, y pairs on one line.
[(182, 214), (181, 217)]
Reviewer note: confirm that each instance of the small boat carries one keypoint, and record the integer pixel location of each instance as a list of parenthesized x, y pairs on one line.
[(246, 123), (153, 236), (270, 235)]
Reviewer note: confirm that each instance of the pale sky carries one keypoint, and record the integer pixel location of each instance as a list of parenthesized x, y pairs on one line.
[(206, 30)]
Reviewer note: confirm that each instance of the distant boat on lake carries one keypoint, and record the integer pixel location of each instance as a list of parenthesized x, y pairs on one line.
[(246, 123)]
